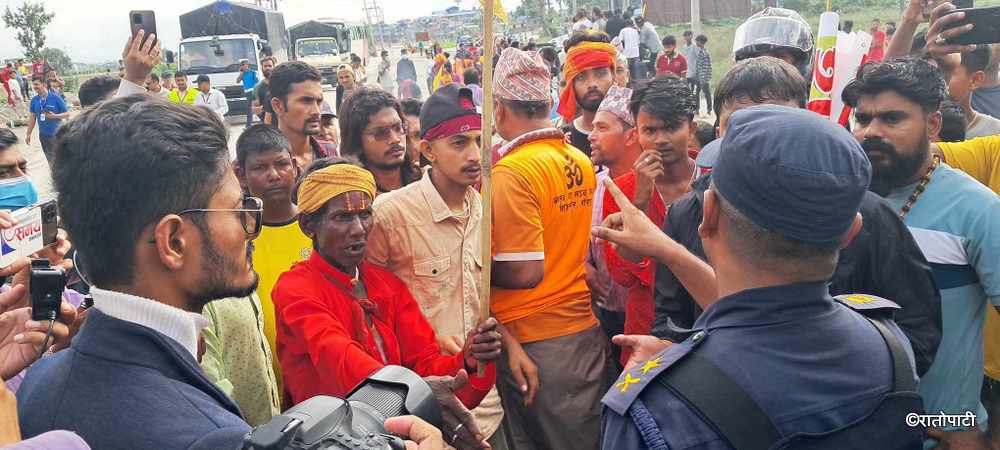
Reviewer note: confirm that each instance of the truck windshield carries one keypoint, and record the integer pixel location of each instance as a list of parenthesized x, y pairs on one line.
[(317, 47), (217, 56)]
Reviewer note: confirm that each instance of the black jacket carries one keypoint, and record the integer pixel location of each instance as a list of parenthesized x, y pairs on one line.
[(882, 260), (614, 26), (405, 70), (125, 386)]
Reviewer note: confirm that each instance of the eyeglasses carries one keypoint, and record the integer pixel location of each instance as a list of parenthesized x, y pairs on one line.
[(382, 133), (252, 216)]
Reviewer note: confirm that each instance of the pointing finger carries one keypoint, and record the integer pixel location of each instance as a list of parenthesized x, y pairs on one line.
[(623, 202)]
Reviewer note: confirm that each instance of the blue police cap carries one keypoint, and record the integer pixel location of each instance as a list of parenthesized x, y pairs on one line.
[(792, 172)]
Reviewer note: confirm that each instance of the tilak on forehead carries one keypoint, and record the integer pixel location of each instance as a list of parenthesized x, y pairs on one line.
[(583, 57), (361, 203), (323, 185)]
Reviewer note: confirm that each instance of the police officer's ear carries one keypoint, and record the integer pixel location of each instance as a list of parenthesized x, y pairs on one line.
[(853, 231), (710, 216)]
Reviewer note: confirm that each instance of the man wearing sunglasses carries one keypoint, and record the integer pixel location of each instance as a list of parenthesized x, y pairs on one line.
[(372, 129), (162, 231)]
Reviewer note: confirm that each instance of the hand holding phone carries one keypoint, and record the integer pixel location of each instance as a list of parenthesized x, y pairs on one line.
[(949, 29), (142, 20)]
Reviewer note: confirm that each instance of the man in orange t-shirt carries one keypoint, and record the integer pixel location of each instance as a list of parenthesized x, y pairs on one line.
[(543, 194)]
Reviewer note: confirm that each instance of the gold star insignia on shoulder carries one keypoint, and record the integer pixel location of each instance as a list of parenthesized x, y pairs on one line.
[(650, 365), (628, 381), (858, 298)]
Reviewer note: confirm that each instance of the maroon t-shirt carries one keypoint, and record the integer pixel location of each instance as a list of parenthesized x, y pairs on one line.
[(676, 65)]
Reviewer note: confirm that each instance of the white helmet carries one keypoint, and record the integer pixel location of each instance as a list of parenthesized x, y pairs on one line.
[(774, 30)]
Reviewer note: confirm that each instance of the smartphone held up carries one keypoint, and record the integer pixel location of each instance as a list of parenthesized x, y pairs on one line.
[(142, 20), (985, 23)]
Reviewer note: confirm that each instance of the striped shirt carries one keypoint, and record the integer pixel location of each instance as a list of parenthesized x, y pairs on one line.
[(956, 223)]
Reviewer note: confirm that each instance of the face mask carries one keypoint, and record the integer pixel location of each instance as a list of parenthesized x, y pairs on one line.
[(16, 193)]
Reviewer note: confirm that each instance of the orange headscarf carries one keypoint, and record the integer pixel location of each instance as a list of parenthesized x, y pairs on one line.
[(583, 57)]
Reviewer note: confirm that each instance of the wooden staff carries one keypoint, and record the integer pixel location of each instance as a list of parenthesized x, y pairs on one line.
[(487, 162)]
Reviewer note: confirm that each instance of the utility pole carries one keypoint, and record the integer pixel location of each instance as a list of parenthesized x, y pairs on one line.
[(374, 16), (696, 17), (272, 4)]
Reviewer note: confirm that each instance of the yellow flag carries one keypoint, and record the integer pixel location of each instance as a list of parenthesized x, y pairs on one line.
[(498, 10)]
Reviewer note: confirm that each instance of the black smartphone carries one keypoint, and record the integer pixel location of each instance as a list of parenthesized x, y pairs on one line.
[(142, 20), (929, 6), (986, 26)]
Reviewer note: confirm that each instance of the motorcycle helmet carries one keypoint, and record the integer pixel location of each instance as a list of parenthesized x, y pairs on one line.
[(775, 32)]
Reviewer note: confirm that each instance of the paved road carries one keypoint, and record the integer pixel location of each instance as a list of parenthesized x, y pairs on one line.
[(38, 168)]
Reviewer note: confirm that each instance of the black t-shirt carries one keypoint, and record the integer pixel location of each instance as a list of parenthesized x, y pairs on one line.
[(614, 26), (882, 260), (579, 139), (263, 94)]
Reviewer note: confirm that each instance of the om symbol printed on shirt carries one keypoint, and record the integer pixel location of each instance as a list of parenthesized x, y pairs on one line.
[(574, 174)]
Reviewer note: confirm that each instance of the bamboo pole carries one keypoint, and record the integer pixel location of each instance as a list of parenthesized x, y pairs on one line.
[(487, 163)]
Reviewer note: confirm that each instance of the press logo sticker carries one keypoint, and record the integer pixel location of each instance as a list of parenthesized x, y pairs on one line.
[(23, 239)]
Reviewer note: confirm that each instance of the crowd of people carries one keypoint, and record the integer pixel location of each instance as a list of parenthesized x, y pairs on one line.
[(772, 280)]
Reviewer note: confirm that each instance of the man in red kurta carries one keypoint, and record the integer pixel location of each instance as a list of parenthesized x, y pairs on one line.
[(663, 111), (340, 319)]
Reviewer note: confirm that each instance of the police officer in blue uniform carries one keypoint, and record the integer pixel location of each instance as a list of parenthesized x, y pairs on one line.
[(776, 362)]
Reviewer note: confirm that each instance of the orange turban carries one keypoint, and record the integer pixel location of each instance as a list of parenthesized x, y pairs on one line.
[(583, 57), (324, 184)]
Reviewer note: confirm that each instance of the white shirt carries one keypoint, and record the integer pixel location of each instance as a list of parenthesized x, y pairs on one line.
[(630, 41), (214, 100), (181, 326), (161, 93), (583, 25), (15, 88)]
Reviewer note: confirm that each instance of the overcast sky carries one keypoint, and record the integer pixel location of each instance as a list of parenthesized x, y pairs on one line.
[(95, 31)]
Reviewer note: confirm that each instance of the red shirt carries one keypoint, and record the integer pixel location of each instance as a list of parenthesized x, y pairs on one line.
[(877, 50), (638, 278), (325, 348), (676, 65)]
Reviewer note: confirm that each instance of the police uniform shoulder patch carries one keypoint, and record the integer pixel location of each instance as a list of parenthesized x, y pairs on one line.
[(864, 302), (631, 382)]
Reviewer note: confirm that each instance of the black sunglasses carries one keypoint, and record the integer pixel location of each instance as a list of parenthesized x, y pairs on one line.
[(252, 217)]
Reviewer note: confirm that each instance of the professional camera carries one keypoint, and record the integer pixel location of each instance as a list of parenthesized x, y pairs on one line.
[(324, 422)]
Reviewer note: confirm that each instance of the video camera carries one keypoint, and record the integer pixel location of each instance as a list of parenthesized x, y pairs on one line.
[(331, 423)]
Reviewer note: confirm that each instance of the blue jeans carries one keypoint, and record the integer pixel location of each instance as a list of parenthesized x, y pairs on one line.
[(48, 146)]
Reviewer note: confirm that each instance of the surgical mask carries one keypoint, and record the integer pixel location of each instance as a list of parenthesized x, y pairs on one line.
[(16, 193)]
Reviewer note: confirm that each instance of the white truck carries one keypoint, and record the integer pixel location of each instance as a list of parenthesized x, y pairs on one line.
[(215, 37), (323, 44)]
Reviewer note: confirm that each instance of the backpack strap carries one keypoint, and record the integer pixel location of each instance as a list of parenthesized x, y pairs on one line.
[(720, 402), (902, 371)]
